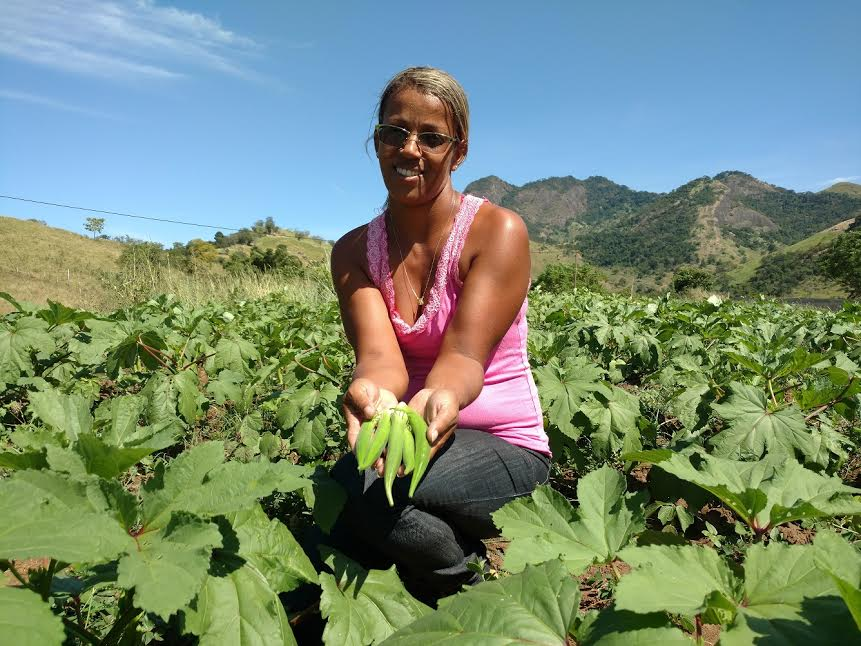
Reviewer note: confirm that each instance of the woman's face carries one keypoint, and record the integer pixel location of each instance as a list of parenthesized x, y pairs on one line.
[(413, 177)]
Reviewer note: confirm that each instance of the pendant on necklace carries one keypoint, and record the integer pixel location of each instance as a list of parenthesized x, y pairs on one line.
[(421, 301)]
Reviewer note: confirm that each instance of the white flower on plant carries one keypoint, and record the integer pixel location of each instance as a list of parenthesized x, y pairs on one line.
[(715, 300)]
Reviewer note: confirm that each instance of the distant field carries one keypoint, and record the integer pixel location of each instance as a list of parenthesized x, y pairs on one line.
[(306, 248), (39, 263)]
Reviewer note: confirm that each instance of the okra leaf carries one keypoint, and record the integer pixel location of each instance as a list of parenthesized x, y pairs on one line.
[(537, 606), (26, 620), (613, 627), (752, 428), (363, 606), (48, 514), (69, 414), (678, 579), (169, 566), (788, 600), (842, 561), (545, 526), (199, 482)]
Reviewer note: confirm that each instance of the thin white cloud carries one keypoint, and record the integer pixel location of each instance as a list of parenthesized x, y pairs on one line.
[(122, 39), (837, 180), (46, 102)]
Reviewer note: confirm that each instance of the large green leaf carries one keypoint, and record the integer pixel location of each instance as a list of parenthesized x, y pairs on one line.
[(270, 548), (58, 314), (189, 400), (788, 600), (564, 387), (169, 566), (48, 514), (69, 414), (238, 609), (26, 620), (765, 493), (145, 346), (106, 460), (363, 606), (835, 556), (200, 483), (235, 353), (612, 627), (120, 417), (309, 436), (544, 526), (752, 428), (26, 334), (238, 604), (537, 606), (613, 415), (784, 598), (685, 580)]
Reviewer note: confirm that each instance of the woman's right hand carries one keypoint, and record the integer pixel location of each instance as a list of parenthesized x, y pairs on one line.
[(362, 401)]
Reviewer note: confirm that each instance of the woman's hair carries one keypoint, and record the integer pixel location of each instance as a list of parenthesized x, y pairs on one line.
[(435, 82)]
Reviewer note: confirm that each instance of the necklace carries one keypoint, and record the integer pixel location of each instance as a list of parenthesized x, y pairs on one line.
[(419, 297)]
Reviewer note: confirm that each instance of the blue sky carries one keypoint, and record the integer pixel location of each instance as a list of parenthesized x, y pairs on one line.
[(227, 112)]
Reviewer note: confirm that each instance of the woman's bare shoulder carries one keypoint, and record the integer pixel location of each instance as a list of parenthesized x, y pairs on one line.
[(494, 220), (497, 229), (350, 250)]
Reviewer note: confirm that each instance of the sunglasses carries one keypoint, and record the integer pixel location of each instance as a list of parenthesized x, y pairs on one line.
[(428, 142)]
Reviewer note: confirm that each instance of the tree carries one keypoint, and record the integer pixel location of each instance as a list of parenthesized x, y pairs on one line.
[(560, 277), (842, 262), (94, 225), (686, 278)]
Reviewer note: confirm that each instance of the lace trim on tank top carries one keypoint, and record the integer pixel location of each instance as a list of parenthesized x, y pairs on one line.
[(378, 263)]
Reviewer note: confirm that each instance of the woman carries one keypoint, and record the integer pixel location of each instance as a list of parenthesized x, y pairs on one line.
[(433, 301)]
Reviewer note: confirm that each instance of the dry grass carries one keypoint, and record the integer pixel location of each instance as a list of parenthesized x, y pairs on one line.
[(215, 284), (38, 263)]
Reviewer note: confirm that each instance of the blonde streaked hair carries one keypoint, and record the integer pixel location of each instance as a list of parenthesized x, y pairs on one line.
[(434, 82)]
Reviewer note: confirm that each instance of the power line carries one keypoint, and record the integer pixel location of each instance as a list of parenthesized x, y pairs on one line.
[(125, 215)]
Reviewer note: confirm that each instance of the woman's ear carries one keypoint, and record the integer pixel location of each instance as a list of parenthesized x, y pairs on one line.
[(460, 154)]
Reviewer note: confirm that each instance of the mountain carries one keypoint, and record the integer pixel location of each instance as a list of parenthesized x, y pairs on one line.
[(849, 188), (718, 222), (554, 209)]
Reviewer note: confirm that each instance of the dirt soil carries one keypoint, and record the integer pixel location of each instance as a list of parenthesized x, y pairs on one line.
[(23, 568)]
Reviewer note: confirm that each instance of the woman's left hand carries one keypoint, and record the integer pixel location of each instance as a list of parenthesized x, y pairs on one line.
[(440, 408)]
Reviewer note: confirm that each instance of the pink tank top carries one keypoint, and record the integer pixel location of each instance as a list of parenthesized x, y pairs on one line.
[(508, 404)]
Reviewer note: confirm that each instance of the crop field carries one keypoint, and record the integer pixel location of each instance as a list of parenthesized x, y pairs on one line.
[(159, 466)]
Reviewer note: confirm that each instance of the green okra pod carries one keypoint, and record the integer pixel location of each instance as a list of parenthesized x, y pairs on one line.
[(409, 456), (378, 443), (395, 452), (364, 439), (422, 448)]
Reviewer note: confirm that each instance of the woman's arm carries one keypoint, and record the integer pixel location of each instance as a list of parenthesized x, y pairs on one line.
[(380, 377), (495, 285)]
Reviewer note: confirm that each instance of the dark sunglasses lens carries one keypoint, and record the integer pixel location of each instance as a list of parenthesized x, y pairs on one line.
[(392, 136), (432, 140)]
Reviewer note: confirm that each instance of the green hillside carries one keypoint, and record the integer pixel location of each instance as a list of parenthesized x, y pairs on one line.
[(848, 188), (725, 224), (41, 263)]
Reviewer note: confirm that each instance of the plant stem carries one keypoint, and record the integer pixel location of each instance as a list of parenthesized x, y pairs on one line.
[(125, 621), (825, 407), (49, 578), (152, 352), (773, 398), (18, 576), (81, 632)]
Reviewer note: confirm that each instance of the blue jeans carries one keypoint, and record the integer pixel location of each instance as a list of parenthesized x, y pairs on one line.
[(432, 536)]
